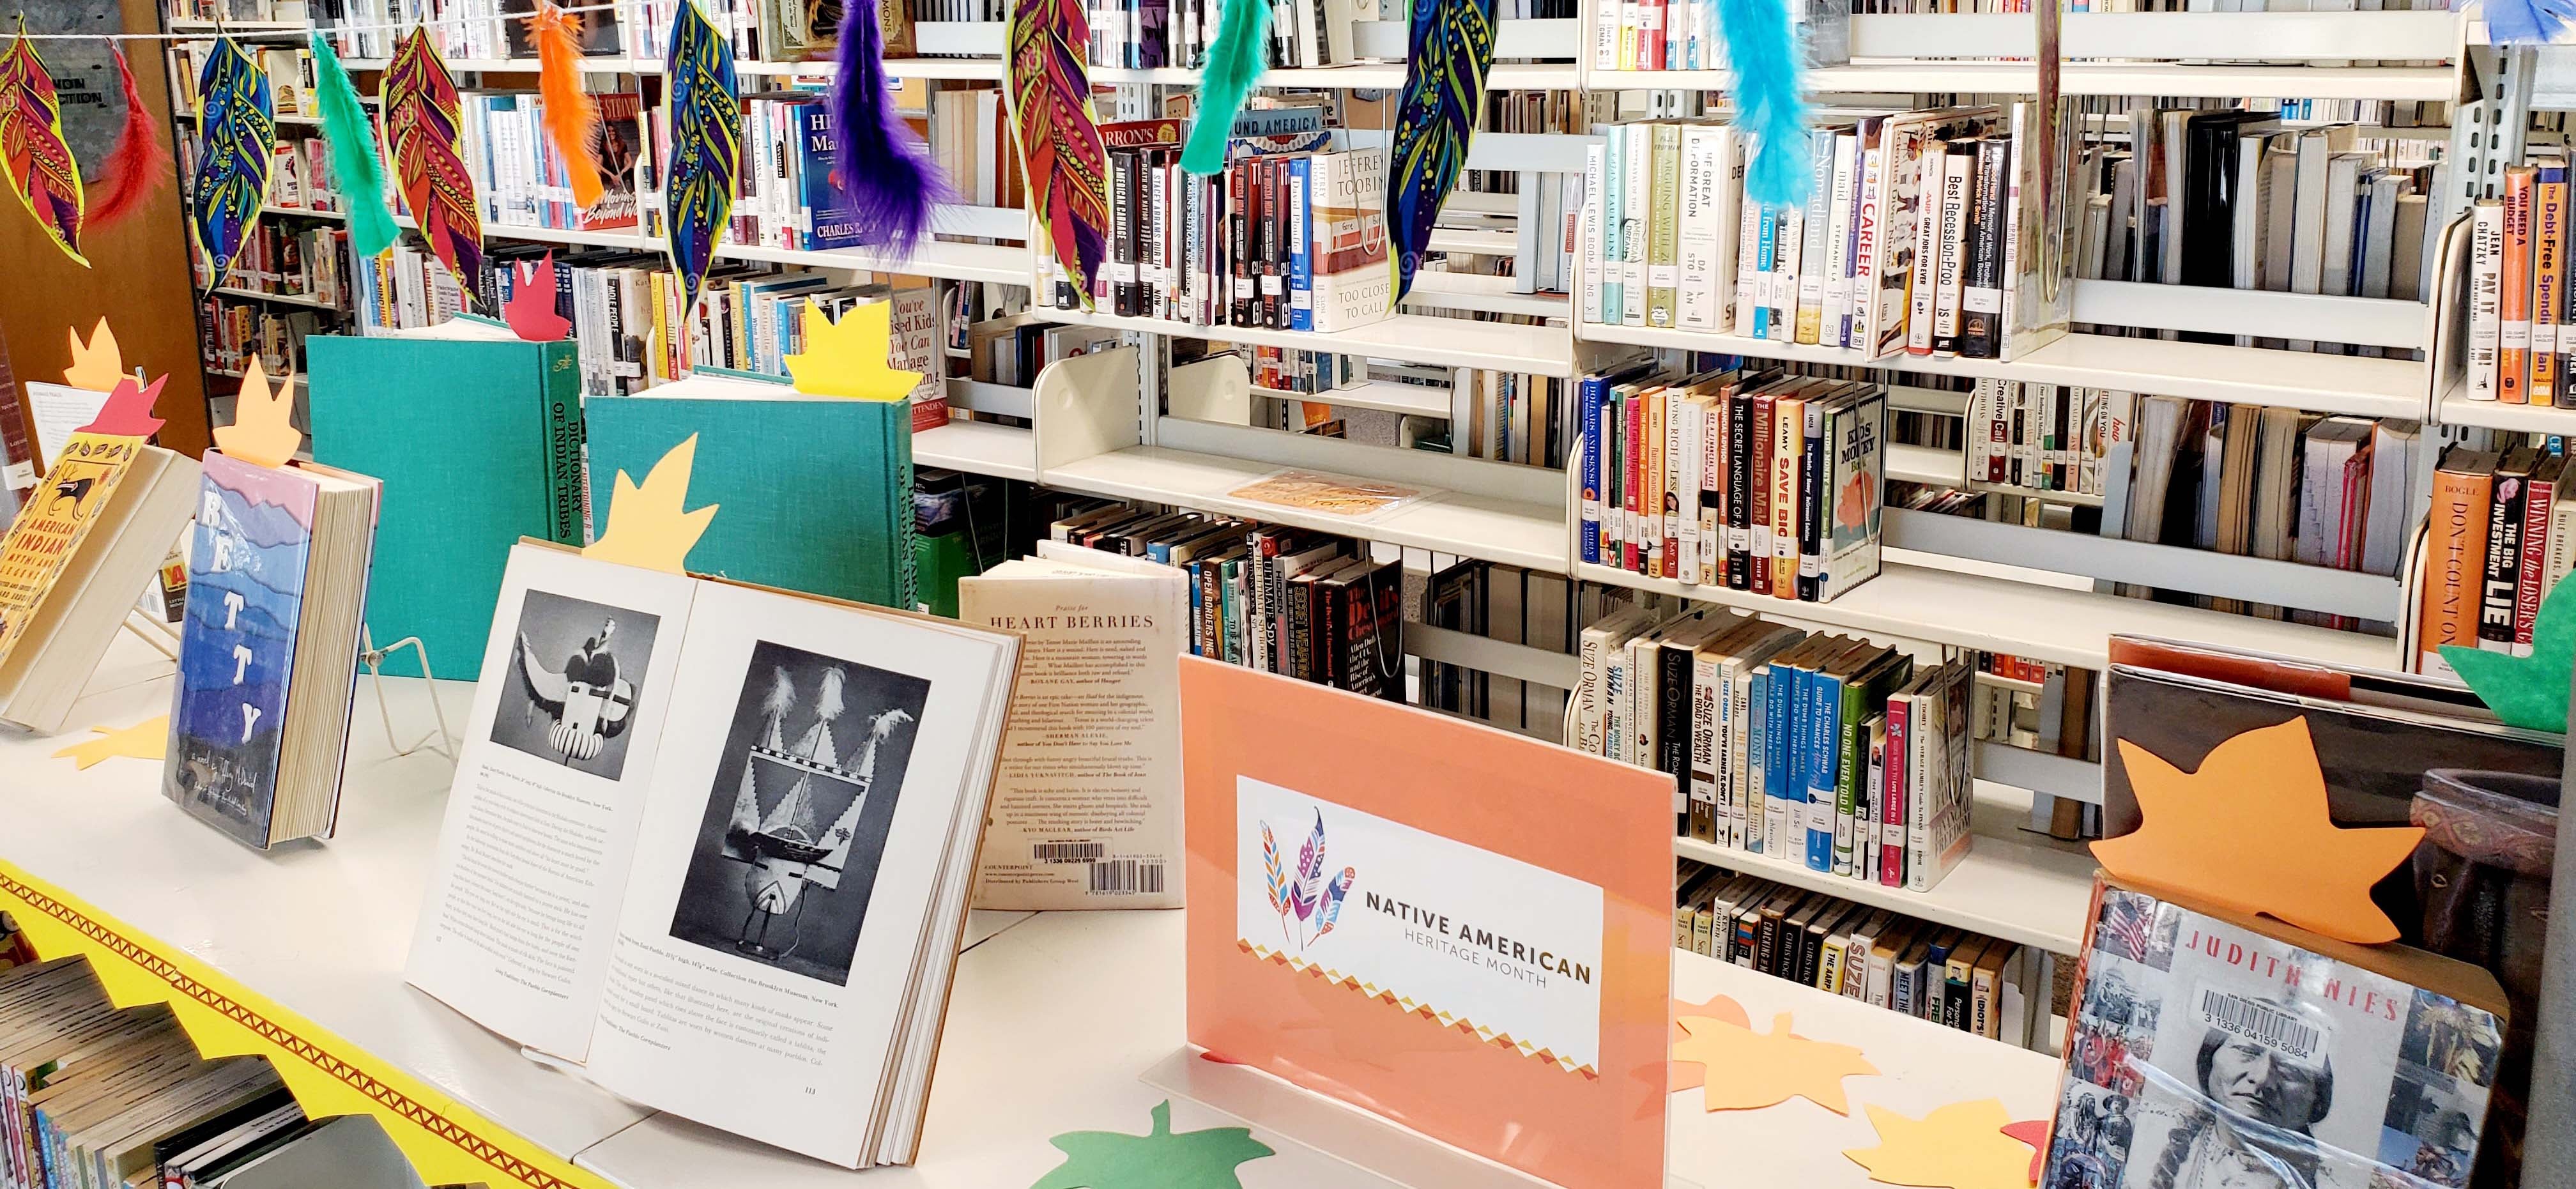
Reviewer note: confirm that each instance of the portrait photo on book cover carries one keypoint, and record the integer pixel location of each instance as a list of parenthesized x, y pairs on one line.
[(576, 672), (805, 791)]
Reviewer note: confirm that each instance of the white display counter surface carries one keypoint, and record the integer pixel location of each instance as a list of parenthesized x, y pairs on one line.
[(1054, 1018)]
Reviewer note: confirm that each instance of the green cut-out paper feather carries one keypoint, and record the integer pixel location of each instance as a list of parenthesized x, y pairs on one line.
[(2527, 691), (1160, 1160)]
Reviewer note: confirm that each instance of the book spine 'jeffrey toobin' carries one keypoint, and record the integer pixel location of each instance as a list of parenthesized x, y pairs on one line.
[(2513, 337), (2504, 556), (2531, 583), (1981, 296)]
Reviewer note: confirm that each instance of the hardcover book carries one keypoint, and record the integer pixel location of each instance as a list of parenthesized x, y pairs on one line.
[(747, 819), (268, 650), (86, 539), (816, 491), (2208, 1050), (478, 443)]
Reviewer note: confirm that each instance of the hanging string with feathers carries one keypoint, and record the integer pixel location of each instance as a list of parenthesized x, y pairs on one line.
[(138, 166), (571, 115), (1770, 100), (1234, 64), (354, 166), (883, 168)]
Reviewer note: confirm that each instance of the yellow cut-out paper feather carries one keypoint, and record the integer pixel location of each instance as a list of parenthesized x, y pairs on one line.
[(146, 740), (646, 525), (262, 431), (1959, 1146), (1690, 1075), (96, 365), (848, 357), (1747, 1070), (2249, 832)]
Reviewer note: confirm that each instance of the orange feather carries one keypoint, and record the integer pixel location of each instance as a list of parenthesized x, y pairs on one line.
[(571, 115)]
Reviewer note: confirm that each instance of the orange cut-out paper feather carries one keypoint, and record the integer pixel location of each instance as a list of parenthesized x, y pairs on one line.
[(1747, 1070), (128, 411), (263, 430), (1959, 1146), (97, 364), (1685, 1074), (146, 740), (2249, 832), (848, 357), (646, 526), (531, 308)]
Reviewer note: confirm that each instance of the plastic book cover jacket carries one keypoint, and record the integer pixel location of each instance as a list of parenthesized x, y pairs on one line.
[(1495, 978), (2207, 1055), (51, 524), (246, 565)]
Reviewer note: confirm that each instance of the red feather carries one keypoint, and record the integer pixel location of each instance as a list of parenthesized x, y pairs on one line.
[(137, 167), (128, 411), (571, 115)]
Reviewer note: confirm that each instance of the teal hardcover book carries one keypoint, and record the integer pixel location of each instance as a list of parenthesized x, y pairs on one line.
[(815, 492), (479, 444)]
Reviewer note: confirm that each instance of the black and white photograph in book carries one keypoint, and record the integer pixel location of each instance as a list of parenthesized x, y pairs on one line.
[(805, 791), (573, 682)]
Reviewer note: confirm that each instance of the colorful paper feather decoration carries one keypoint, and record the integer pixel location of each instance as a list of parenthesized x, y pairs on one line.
[(1329, 913), (1271, 873), (2524, 22), (236, 132), (571, 115), (1307, 894), (1442, 102), (351, 133), (884, 169), (422, 117), (138, 166), (1234, 64), (706, 148), (32, 149), (1061, 154), (1769, 100)]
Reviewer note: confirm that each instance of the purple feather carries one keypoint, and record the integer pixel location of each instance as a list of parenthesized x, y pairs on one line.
[(885, 170)]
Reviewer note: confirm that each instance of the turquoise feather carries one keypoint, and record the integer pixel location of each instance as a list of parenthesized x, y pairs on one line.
[(1442, 102), (1770, 100), (355, 166), (1234, 65)]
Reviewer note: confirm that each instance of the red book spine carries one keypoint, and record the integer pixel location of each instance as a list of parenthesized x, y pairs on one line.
[(1892, 793), (1757, 459), (2527, 591)]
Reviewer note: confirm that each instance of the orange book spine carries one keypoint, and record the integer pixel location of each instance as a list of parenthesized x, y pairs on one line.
[(2549, 281), (2513, 361), (2455, 561)]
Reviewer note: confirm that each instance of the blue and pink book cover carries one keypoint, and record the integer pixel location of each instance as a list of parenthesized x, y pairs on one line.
[(246, 567)]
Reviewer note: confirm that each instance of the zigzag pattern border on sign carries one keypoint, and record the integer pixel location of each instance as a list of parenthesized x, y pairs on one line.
[(438, 1132), (1499, 1039)]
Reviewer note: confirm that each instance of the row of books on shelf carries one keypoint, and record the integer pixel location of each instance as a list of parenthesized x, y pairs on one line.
[(1908, 240), (1948, 976), (2517, 352), (1309, 605), (1290, 370), (305, 261), (2501, 535), (1747, 479), (238, 332), (299, 173), (1012, 349), (102, 1096), (2241, 199), (292, 84), (1820, 751), (523, 181)]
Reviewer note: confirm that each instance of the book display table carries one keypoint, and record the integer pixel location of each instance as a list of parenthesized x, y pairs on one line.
[(1054, 1019)]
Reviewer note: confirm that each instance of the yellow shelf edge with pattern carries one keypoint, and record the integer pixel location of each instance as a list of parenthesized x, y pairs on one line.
[(446, 1142)]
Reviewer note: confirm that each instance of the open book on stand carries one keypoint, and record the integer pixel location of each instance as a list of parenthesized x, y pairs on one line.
[(715, 842)]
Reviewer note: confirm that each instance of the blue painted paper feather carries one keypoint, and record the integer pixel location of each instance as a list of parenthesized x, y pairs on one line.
[(236, 131), (706, 148), (1770, 101), (1442, 102), (1234, 64), (879, 162), (2525, 22)]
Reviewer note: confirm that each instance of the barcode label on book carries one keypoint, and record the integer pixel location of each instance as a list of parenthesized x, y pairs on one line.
[(1067, 852), (1127, 877), (2260, 1022)]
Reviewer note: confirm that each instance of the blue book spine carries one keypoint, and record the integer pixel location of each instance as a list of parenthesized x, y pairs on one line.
[(1594, 388), (836, 218), (1301, 261), (1767, 258), (1757, 752), (1793, 760), (1824, 712)]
